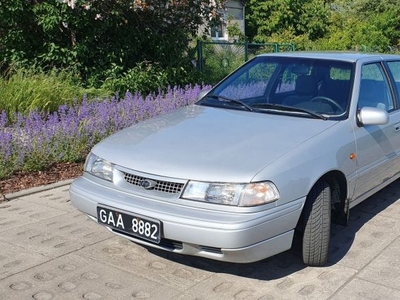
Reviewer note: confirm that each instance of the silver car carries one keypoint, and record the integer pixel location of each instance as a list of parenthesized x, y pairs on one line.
[(273, 154)]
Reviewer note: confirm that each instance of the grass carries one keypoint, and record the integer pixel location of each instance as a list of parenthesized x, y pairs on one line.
[(25, 90)]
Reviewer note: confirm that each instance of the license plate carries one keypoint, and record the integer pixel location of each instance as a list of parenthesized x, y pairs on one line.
[(138, 226)]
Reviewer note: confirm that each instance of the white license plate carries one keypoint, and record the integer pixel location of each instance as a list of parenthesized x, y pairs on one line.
[(138, 226)]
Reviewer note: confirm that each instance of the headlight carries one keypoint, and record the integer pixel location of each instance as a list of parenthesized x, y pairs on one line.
[(250, 194), (99, 167)]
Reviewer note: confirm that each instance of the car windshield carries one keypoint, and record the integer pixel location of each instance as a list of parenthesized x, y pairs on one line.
[(316, 88)]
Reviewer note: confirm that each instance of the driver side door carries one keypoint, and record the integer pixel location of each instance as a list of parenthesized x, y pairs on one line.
[(377, 145)]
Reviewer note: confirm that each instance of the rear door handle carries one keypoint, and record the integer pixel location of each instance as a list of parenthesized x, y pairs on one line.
[(397, 127)]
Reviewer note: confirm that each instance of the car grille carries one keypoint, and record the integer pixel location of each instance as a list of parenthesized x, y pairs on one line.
[(161, 186)]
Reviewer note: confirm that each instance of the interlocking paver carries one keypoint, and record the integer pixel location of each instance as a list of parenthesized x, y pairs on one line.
[(18, 213), (365, 290), (59, 200), (58, 235), (385, 268), (75, 277), (14, 259), (123, 254), (49, 250)]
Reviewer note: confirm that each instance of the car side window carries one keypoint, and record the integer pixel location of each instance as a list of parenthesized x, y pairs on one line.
[(394, 67), (374, 88)]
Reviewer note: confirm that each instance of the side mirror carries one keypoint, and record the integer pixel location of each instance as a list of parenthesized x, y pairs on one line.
[(202, 94), (372, 116)]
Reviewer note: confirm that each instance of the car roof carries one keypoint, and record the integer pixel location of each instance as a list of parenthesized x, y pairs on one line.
[(333, 55)]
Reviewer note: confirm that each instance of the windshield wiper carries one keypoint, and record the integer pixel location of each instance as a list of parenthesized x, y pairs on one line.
[(290, 108), (226, 99)]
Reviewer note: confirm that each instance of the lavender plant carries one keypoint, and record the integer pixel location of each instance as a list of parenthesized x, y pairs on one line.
[(35, 141)]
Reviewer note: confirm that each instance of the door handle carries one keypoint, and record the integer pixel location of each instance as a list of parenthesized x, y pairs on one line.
[(397, 127)]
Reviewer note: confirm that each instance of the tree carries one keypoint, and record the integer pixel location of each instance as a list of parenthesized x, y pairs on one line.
[(95, 36), (309, 18), (384, 17), (369, 25), (330, 24)]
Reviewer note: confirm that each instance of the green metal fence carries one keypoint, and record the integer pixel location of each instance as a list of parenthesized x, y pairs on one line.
[(218, 59)]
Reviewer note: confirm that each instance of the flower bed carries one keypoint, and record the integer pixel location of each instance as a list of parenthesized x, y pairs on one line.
[(36, 141)]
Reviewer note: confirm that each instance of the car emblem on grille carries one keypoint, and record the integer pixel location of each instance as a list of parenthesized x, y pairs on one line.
[(148, 184)]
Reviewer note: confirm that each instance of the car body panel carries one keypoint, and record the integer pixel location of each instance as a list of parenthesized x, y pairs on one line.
[(318, 157), (378, 146), (199, 228), (178, 143)]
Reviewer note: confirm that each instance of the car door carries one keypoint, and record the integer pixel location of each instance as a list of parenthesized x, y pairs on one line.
[(377, 145), (393, 68)]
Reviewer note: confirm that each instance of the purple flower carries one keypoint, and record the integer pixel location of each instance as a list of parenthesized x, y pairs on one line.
[(36, 140)]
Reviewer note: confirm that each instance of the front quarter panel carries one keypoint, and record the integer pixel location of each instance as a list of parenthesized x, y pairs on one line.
[(295, 172)]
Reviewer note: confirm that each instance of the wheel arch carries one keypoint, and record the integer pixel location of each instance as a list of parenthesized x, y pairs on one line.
[(339, 196)]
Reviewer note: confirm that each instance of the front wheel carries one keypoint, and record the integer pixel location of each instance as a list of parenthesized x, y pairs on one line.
[(317, 225)]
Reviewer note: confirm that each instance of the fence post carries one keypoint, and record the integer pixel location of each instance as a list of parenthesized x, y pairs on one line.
[(200, 55)]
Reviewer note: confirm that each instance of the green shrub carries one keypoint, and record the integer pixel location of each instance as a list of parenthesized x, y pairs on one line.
[(7, 167), (147, 77), (221, 59), (24, 90), (93, 36)]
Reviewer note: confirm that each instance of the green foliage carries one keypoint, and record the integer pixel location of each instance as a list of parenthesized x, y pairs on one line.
[(24, 90), (6, 167), (143, 78), (365, 25), (147, 77), (302, 41), (93, 37), (362, 25), (301, 17), (221, 59), (234, 30)]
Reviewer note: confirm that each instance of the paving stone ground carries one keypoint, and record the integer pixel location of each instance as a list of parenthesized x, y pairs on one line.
[(49, 250)]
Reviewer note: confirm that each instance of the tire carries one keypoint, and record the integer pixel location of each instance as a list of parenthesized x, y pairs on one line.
[(317, 225)]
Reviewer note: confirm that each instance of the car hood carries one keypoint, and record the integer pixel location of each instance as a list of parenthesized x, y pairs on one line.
[(208, 144)]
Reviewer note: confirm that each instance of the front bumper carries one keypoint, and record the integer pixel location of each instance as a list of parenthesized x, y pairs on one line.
[(234, 236)]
